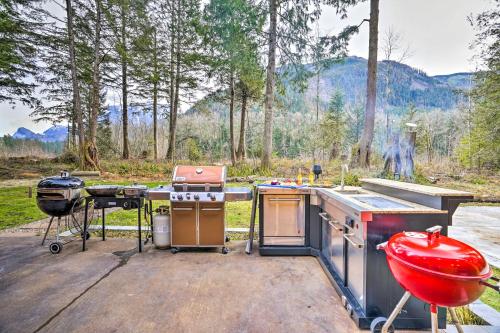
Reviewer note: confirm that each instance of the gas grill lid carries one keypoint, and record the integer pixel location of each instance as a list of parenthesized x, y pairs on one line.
[(214, 176)]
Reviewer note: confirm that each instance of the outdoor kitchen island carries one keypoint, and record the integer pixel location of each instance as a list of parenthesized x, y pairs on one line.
[(342, 228), (353, 222)]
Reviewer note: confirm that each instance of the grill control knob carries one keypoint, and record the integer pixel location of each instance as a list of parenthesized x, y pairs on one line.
[(212, 197), (179, 197), (188, 196), (196, 197), (172, 196)]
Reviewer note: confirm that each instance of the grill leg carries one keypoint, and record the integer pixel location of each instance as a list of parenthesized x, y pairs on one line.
[(396, 311), (103, 224), (85, 224), (151, 220), (454, 318), (139, 222), (47, 231), (248, 248), (58, 229), (434, 319)]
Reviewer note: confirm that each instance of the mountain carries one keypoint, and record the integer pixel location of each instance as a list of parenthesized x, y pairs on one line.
[(398, 87), (55, 133), (457, 80), (406, 85), (24, 133)]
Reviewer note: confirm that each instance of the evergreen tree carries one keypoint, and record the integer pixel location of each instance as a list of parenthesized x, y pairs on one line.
[(333, 126), (291, 34), (232, 30), (187, 62), (19, 23), (482, 146), (149, 60)]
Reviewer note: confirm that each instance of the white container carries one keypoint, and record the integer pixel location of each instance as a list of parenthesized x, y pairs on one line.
[(161, 228)]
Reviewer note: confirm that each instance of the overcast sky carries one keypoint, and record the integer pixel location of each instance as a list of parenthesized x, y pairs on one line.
[(436, 31)]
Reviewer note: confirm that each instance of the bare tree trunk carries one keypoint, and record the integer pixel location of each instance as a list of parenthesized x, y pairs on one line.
[(371, 89), (334, 152), (155, 120), (68, 136), (155, 99), (231, 119), (77, 104), (172, 85), (91, 153), (173, 115), (269, 98), (73, 129), (241, 153), (124, 60)]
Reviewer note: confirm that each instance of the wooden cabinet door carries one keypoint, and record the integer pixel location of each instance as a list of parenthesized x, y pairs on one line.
[(184, 224)]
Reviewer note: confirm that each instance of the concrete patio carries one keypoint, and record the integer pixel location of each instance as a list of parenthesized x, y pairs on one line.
[(112, 288)]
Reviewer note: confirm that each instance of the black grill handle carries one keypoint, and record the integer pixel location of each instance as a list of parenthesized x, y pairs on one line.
[(492, 286)]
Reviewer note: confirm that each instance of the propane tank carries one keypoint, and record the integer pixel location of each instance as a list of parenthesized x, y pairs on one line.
[(161, 227)]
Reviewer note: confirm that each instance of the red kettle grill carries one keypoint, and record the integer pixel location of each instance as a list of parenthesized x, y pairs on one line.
[(436, 269)]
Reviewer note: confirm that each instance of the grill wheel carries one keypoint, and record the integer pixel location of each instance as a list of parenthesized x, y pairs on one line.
[(55, 247)]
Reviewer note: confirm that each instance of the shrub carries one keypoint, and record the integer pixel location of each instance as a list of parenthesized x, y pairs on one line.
[(69, 157), (194, 153)]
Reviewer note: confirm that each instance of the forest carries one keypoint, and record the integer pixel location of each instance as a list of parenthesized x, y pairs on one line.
[(233, 80)]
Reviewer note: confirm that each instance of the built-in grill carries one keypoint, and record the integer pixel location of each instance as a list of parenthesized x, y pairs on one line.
[(198, 207)]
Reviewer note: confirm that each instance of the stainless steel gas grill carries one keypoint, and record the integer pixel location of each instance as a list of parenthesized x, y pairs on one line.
[(198, 207), (198, 196)]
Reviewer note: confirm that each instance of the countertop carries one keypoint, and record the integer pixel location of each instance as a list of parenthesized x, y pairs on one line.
[(333, 194), (423, 189), (351, 201)]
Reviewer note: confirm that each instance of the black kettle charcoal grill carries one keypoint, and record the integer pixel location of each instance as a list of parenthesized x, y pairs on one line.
[(61, 197)]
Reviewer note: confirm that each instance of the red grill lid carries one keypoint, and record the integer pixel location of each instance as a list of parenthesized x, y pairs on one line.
[(188, 174), (439, 254)]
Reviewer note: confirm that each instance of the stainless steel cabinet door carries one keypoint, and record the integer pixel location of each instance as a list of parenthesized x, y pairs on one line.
[(337, 247), (325, 234), (335, 232), (284, 217), (355, 256)]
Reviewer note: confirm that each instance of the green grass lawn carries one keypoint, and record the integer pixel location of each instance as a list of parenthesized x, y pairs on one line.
[(16, 208)]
